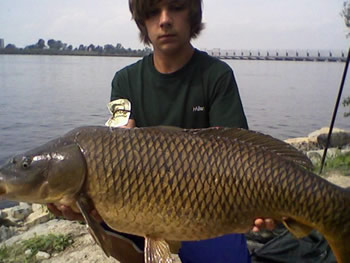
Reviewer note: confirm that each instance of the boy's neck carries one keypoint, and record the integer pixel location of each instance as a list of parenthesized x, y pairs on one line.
[(169, 63)]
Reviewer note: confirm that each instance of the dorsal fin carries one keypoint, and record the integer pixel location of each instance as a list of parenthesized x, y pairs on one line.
[(257, 139)]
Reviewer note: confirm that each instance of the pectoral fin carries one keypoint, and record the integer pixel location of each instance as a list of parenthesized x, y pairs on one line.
[(112, 244), (298, 229), (157, 251), (94, 227)]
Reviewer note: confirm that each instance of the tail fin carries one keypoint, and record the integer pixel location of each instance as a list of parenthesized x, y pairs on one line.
[(340, 248), (339, 241)]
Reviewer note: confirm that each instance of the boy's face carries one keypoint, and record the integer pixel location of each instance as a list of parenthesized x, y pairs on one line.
[(168, 26)]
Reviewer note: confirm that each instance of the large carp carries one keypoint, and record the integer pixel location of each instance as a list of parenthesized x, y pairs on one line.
[(174, 184)]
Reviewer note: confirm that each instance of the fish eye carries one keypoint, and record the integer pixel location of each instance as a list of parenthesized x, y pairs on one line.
[(26, 163)]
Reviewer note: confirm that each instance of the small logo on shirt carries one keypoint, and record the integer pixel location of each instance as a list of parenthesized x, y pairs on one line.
[(198, 108)]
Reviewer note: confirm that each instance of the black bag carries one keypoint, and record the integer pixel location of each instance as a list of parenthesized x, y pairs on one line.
[(285, 248)]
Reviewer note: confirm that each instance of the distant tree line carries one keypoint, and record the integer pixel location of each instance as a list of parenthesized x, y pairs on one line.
[(57, 47)]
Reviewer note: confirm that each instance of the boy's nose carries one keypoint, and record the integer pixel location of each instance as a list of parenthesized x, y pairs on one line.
[(165, 18)]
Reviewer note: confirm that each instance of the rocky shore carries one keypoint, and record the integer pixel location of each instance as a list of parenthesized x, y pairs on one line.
[(25, 220)]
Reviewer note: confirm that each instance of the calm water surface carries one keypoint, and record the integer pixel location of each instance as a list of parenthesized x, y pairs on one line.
[(42, 97), (290, 99)]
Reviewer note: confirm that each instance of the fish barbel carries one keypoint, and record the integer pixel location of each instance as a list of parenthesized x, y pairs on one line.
[(171, 184)]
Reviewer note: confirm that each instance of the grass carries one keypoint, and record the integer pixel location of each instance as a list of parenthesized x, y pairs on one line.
[(47, 243), (340, 163)]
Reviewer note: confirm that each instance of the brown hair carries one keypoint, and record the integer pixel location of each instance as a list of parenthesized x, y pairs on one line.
[(140, 10)]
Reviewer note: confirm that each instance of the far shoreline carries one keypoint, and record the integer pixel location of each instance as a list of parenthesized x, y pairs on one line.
[(65, 53)]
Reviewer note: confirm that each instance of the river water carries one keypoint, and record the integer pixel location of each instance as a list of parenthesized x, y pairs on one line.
[(42, 97)]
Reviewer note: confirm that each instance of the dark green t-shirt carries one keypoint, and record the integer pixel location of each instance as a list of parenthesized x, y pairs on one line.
[(202, 94)]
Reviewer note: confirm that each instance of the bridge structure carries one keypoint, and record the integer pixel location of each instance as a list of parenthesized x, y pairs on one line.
[(284, 55)]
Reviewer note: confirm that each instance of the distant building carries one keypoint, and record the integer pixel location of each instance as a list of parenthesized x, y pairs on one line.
[(2, 43)]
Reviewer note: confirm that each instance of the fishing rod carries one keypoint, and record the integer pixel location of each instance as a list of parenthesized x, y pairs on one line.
[(335, 111)]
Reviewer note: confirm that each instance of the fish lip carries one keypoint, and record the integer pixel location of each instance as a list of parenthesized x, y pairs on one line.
[(3, 188), (2, 191)]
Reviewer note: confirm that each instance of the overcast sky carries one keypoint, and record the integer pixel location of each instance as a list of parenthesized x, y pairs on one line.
[(230, 24)]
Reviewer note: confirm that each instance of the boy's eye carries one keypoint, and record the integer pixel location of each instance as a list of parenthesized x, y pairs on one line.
[(177, 7), (153, 12)]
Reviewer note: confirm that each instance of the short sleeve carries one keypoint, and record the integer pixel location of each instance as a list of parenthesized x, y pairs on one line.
[(117, 92), (226, 108), (120, 88)]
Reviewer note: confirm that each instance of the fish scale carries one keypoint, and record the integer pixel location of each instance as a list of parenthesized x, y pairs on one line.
[(173, 184), (218, 204)]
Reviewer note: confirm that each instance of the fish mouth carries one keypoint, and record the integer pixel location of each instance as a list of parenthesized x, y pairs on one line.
[(2, 191)]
